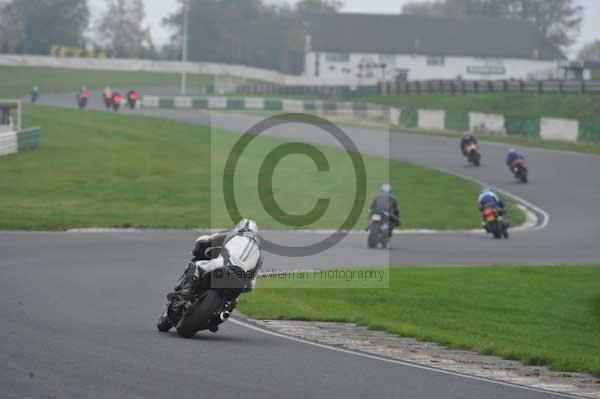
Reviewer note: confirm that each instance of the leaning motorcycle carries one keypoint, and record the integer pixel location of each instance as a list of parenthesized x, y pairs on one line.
[(495, 223), (520, 170), (211, 300), (473, 154), (379, 230)]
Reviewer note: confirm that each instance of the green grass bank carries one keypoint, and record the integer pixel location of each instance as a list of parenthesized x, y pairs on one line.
[(539, 315), (97, 169)]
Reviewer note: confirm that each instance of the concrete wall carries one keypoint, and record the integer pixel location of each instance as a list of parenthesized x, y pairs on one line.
[(418, 68), (142, 65), (12, 142), (559, 129), (487, 123), (432, 120), (8, 143)]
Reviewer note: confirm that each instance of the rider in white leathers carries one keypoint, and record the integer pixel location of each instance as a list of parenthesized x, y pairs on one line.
[(239, 247)]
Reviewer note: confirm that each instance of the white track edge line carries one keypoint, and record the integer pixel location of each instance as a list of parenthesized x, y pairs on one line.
[(397, 362)]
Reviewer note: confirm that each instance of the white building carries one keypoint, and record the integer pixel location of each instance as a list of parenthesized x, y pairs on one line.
[(363, 49)]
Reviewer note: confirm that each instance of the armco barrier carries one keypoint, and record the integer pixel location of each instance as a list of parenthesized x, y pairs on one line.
[(589, 131), (438, 120), (12, 142), (28, 139), (456, 121), (522, 126)]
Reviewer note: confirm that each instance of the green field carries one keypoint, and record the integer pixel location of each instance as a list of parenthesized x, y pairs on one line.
[(97, 169), (538, 315), (17, 82), (548, 105)]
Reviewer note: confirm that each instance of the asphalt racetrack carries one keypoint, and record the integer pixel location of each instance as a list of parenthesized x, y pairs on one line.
[(79, 309)]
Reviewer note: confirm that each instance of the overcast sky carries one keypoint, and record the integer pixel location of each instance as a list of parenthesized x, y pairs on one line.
[(156, 9)]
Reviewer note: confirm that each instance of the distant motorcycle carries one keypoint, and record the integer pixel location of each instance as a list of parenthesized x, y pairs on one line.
[(132, 98), (379, 230), (82, 99), (116, 101), (495, 223), (213, 297), (520, 170), (473, 154), (107, 97)]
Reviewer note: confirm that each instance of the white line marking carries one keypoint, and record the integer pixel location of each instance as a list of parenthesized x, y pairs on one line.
[(394, 361)]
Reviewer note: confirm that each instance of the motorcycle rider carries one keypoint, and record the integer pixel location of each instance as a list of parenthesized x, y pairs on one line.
[(83, 93), (513, 156), (238, 247), (132, 96), (387, 203), (35, 94), (466, 141)]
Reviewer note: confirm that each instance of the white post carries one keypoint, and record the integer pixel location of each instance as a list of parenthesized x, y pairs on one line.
[(19, 116), (186, 23)]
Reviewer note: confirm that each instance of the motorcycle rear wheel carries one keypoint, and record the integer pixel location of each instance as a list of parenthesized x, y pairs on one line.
[(373, 238), (198, 318)]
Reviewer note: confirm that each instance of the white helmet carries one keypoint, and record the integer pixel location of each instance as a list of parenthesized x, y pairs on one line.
[(512, 151), (247, 225), (386, 188)]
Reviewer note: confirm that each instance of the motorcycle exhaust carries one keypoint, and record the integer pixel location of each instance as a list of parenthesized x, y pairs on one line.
[(224, 315)]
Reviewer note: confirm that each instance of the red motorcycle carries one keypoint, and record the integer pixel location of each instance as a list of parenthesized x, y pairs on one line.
[(132, 98), (494, 223), (520, 170), (116, 101)]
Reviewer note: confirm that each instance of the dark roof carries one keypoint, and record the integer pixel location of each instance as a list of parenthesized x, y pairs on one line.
[(408, 34)]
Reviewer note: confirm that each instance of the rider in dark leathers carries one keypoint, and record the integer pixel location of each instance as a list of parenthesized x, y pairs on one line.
[(387, 203), (467, 140)]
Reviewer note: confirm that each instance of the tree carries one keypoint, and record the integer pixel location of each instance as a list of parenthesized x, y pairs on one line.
[(37, 25), (558, 20), (12, 29), (307, 7), (433, 9), (590, 52), (121, 29)]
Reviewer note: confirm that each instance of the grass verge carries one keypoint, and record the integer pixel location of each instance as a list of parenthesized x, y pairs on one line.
[(97, 169), (539, 315), (18, 81)]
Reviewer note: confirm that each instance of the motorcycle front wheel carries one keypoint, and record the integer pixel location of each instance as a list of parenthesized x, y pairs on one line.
[(164, 323)]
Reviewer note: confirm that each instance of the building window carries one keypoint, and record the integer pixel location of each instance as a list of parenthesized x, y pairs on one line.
[(436, 60), (387, 59), (337, 57)]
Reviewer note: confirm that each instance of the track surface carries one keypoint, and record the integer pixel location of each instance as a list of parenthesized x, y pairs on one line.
[(78, 310)]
